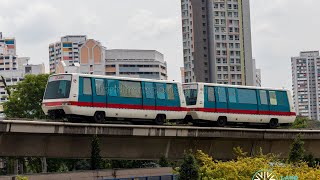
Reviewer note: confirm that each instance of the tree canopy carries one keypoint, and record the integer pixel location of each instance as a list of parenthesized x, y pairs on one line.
[(26, 98)]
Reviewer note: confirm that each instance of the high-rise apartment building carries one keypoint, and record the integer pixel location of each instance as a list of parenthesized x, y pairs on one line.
[(13, 68), (257, 74), (306, 84), (217, 41), (88, 56), (67, 50)]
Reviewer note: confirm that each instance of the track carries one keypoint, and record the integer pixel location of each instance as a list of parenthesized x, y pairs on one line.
[(149, 123)]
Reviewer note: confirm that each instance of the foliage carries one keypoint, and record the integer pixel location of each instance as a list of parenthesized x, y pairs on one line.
[(25, 100), (96, 160), (244, 168), (33, 165), (300, 122), (22, 178), (311, 161), (189, 169), (238, 152), (296, 153), (163, 161)]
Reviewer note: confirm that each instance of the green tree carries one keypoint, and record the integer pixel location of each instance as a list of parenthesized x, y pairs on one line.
[(163, 161), (189, 169), (26, 97), (296, 153), (95, 153), (300, 122)]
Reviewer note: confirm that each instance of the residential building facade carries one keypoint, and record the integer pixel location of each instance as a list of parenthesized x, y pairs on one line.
[(77, 54), (67, 50), (306, 84), (257, 74), (258, 77), (13, 68), (217, 42), (148, 64)]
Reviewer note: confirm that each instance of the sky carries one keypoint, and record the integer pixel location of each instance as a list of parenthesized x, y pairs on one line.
[(280, 29)]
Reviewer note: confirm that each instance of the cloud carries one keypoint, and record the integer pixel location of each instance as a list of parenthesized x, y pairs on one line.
[(144, 24)]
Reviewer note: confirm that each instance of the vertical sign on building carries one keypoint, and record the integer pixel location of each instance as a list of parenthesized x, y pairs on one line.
[(0, 35)]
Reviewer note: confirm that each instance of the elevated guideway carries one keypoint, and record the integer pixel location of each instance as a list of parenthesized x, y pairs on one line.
[(73, 140)]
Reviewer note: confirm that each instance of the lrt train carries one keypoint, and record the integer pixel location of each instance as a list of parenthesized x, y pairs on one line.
[(79, 96), (238, 104)]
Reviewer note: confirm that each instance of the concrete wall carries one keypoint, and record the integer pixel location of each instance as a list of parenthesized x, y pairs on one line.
[(67, 140), (95, 175)]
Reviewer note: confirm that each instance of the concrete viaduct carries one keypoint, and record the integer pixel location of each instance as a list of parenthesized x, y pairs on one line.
[(71, 140)]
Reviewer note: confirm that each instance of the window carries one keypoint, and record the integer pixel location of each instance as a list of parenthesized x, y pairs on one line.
[(222, 94), (232, 95), (100, 90), (211, 97), (273, 98), (58, 87), (160, 91), (282, 98), (170, 91), (149, 90), (263, 97), (112, 88), (87, 90), (130, 89), (247, 96)]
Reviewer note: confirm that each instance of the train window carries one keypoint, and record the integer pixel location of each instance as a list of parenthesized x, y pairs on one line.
[(112, 88), (263, 97), (160, 91), (282, 98), (149, 90), (211, 97), (232, 95), (273, 98), (130, 89), (100, 88), (170, 92), (87, 90), (247, 96), (222, 94)]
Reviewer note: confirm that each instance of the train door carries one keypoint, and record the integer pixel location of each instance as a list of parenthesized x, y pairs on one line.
[(279, 101), (112, 93), (160, 96), (99, 93), (173, 99), (233, 103), (263, 104), (209, 99), (149, 100), (85, 91), (221, 101)]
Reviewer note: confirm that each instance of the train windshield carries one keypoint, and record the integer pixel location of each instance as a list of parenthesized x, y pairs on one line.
[(58, 87), (191, 92)]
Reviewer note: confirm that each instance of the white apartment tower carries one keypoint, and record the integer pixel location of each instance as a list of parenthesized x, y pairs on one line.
[(67, 50), (217, 42), (13, 68), (306, 84)]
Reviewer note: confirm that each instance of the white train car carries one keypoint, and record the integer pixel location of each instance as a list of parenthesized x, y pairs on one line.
[(76, 96), (238, 104)]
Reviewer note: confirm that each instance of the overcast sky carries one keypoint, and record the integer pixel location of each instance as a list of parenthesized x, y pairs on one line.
[(280, 29)]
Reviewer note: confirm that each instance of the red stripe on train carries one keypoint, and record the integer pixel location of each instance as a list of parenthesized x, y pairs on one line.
[(119, 106), (236, 111)]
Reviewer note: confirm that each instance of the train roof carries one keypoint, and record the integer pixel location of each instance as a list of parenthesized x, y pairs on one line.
[(117, 77), (237, 86)]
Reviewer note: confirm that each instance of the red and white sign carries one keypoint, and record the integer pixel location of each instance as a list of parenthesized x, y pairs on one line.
[(60, 78)]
